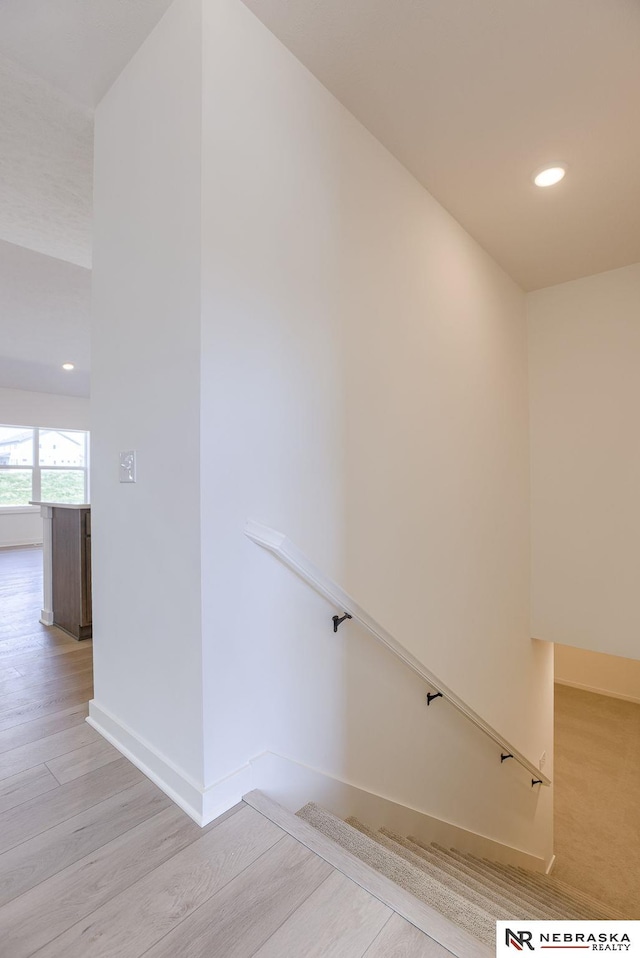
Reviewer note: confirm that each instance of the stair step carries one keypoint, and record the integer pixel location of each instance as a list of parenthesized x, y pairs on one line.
[(492, 906), (515, 900), (423, 886), (604, 912), (572, 906), (472, 892), (550, 907), (567, 901), (507, 902)]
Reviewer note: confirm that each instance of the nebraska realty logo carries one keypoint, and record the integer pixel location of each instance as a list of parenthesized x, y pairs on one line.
[(567, 936)]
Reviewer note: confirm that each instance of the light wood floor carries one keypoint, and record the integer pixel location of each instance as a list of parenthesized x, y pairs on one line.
[(96, 861)]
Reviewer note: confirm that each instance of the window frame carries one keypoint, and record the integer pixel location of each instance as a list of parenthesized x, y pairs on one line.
[(36, 469)]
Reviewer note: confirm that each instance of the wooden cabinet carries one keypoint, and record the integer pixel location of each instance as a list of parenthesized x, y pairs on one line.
[(71, 570)]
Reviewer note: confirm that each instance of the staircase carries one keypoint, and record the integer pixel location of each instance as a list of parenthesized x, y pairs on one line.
[(469, 891)]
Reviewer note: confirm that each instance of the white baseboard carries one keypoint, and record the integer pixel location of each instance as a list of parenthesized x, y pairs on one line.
[(46, 617), (608, 692), (292, 785), (551, 865), (200, 803), (227, 792), (21, 543)]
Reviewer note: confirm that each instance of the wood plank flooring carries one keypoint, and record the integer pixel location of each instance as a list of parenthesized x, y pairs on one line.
[(97, 862)]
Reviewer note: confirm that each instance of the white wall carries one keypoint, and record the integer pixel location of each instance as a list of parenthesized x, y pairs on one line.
[(584, 340), (364, 390), (19, 407), (330, 354), (145, 396), (20, 527), (596, 672)]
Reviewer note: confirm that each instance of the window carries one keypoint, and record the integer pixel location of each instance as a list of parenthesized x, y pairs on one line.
[(42, 464)]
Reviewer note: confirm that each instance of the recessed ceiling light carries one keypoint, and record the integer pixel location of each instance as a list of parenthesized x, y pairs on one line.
[(68, 366), (550, 175)]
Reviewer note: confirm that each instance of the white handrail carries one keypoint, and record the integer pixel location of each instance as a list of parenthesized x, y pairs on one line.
[(295, 559)]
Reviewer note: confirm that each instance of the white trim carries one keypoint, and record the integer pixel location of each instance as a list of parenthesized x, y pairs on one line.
[(607, 692), (60, 505), (292, 785), (46, 613), (202, 804), (225, 793), (36, 467), (19, 543), (295, 559), (551, 865)]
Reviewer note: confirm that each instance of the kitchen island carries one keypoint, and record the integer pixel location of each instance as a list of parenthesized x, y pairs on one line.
[(67, 567)]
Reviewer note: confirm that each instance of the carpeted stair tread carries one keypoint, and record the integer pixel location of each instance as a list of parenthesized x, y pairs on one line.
[(514, 900), (513, 889), (553, 906), (556, 908), (582, 908), (508, 888), (501, 903), (418, 883), (606, 912), (395, 845), (573, 902), (582, 905), (467, 878), (473, 892)]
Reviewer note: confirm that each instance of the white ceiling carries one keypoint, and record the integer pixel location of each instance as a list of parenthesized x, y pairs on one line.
[(46, 167), (471, 95), (57, 59), (79, 46), (474, 95), (44, 310)]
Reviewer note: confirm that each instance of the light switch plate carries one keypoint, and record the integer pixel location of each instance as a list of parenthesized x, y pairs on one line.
[(128, 466)]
